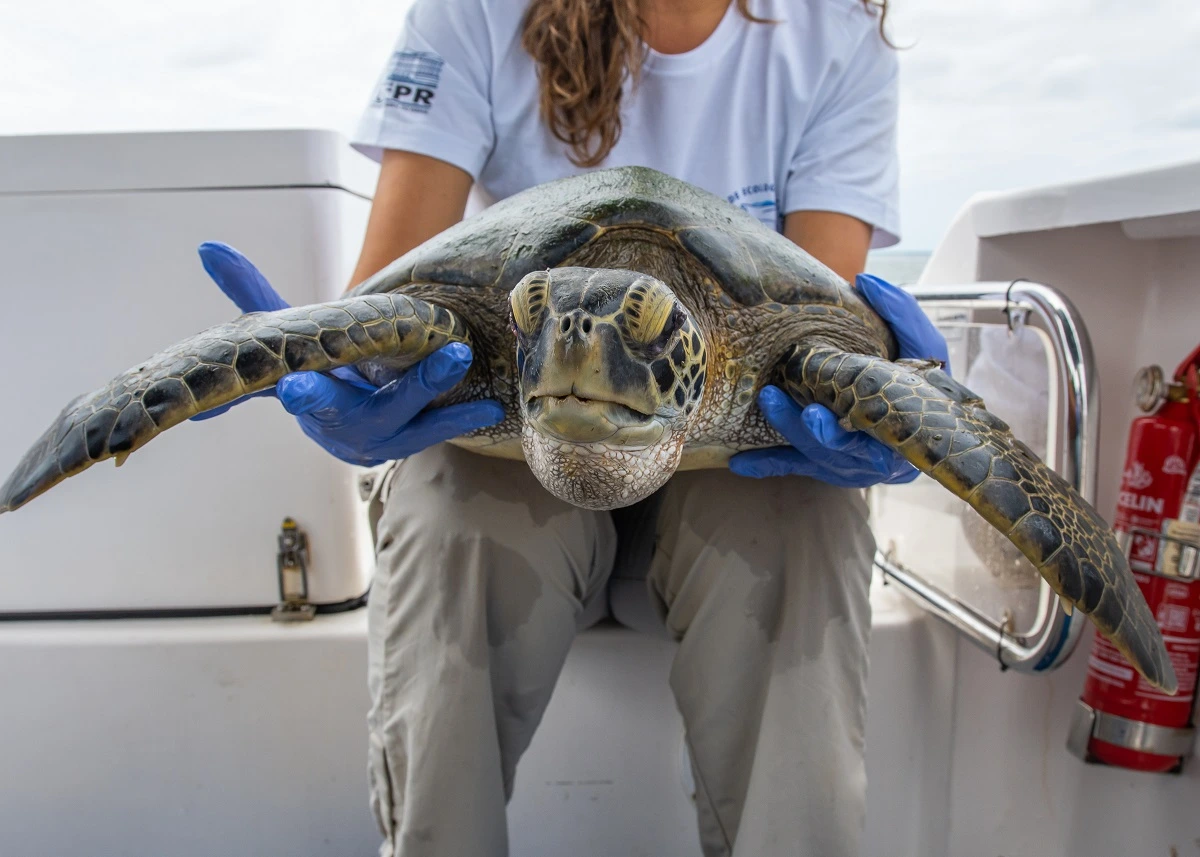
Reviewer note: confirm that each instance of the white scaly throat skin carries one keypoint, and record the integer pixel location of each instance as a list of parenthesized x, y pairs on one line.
[(599, 476)]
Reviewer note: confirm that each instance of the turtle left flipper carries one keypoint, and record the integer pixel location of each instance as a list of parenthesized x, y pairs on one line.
[(219, 366), (944, 431)]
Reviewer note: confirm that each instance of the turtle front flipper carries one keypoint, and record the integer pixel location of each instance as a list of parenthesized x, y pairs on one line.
[(944, 430), (221, 365)]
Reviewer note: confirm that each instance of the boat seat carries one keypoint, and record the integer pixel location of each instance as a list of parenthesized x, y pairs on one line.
[(630, 601)]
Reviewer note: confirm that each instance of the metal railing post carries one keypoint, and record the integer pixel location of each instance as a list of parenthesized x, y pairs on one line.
[(1055, 634)]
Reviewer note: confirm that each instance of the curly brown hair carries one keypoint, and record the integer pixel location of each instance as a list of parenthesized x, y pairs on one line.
[(585, 50)]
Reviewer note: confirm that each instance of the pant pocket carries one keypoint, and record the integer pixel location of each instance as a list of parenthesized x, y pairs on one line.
[(377, 500), (383, 802)]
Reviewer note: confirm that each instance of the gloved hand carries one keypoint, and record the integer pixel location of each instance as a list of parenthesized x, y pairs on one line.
[(820, 447), (342, 411)]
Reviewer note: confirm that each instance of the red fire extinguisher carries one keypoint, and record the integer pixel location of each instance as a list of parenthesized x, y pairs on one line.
[(1129, 723)]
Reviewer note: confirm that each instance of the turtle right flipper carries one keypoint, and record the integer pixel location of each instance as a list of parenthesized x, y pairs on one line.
[(221, 365), (944, 431)]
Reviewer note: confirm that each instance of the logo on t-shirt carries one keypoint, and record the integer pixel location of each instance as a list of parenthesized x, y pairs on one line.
[(412, 81), (758, 200)]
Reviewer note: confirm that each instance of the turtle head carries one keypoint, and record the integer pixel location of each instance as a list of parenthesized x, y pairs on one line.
[(611, 369)]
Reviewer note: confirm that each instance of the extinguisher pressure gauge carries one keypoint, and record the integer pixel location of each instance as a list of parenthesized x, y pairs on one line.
[(1149, 388)]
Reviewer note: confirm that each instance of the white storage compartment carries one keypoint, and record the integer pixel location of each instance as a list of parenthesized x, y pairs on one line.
[(98, 235)]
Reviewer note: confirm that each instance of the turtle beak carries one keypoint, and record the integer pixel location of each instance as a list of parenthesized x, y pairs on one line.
[(579, 420)]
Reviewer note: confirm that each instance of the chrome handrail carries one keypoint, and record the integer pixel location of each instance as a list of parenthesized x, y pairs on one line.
[(1055, 634)]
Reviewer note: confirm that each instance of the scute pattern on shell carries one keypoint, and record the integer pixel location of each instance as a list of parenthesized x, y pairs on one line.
[(549, 225)]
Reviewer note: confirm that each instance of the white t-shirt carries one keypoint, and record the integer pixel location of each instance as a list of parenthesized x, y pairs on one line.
[(796, 115)]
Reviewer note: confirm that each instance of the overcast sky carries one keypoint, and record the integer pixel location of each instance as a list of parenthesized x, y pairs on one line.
[(996, 93)]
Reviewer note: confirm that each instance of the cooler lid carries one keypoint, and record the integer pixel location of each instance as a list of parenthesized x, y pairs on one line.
[(182, 160)]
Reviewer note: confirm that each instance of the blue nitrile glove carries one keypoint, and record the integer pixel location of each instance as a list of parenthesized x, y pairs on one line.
[(820, 447), (342, 411)]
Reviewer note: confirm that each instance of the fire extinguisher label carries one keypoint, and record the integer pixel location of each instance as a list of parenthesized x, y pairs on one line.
[(1105, 667), (1184, 653), (1178, 616), (1138, 477), (1174, 465), (1173, 617), (1152, 485)]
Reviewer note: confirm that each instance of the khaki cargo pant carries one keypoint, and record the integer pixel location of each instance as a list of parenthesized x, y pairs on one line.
[(482, 578)]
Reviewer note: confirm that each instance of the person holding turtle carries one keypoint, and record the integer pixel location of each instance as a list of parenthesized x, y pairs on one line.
[(787, 109)]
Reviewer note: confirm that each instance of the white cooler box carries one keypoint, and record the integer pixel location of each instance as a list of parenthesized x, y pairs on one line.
[(136, 719), (98, 236)]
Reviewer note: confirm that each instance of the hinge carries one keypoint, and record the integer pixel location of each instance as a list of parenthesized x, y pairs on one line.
[(292, 569)]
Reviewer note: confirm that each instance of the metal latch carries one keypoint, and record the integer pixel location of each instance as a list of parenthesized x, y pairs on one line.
[(292, 569)]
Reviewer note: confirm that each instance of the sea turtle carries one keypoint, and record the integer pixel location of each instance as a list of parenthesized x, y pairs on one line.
[(626, 321)]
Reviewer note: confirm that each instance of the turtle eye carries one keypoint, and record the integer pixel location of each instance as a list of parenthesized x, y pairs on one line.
[(652, 315), (528, 302)]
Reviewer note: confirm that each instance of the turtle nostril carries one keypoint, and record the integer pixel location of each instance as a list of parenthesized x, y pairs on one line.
[(586, 325), (565, 324)]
